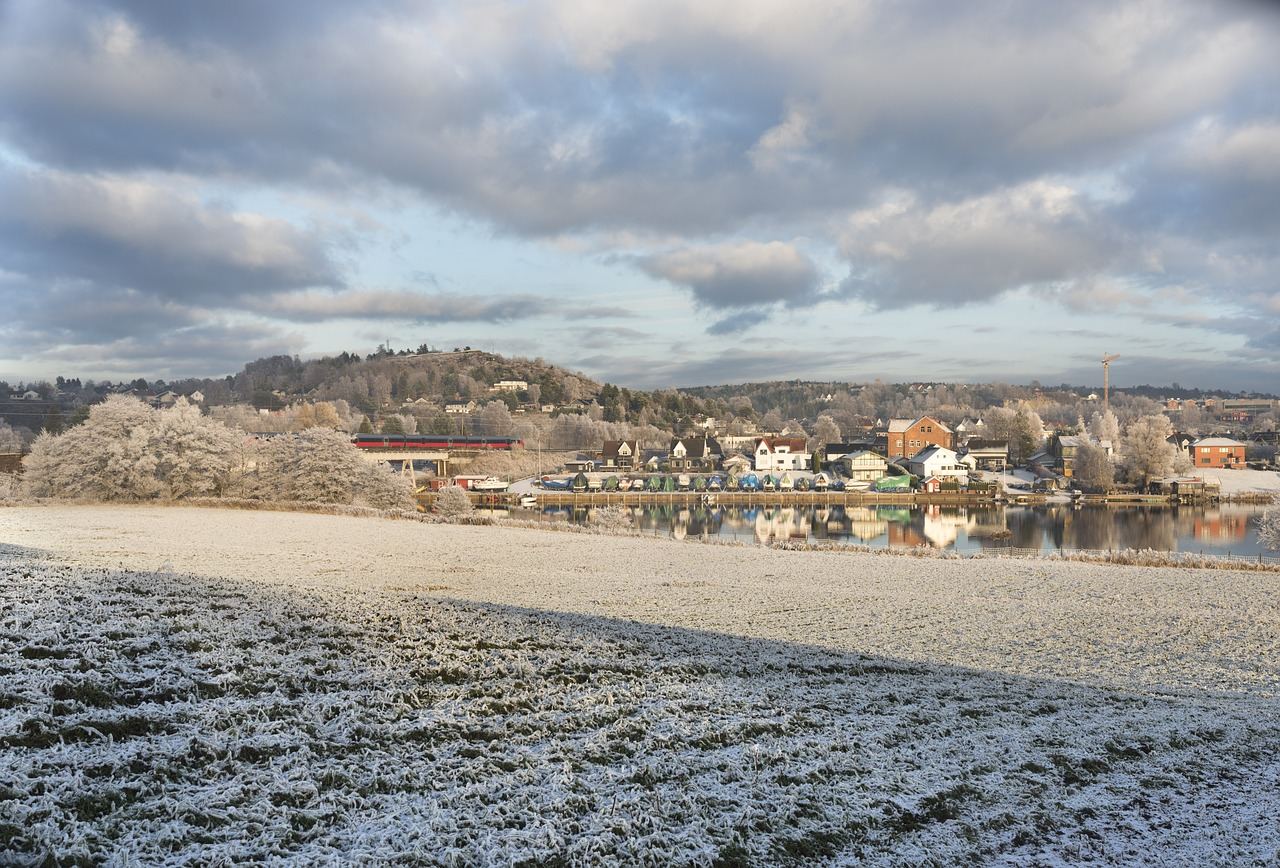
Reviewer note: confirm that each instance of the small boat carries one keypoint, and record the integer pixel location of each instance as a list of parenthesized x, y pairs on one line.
[(528, 501), (683, 482), (821, 482), (733, 483), (611, 483), (595, 482), (490, 483), (837, 485), (579, 483), (655, 483), (802, 484), (699, 483), (769, 483), (668, 484), (857, 485), (786, 483), (550, 483), (715, 483), (750, 482), (624, 484)]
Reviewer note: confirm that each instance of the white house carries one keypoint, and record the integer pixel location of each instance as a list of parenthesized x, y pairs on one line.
[(459, 408), (864, 466), (938, 461), (509, 386), (196, 397), (775, 454)]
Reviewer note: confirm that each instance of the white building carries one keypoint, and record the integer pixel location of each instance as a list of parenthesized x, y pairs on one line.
[(775, 454), (509, 386), (938, 461)]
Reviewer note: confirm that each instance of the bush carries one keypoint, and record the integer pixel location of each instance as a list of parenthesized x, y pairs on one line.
[(1269, 528), (612, 518), (453, 502), (9, 488), (125, 450)]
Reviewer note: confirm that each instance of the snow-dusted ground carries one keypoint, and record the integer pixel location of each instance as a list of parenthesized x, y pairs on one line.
[(1242, 481), (318, 688)]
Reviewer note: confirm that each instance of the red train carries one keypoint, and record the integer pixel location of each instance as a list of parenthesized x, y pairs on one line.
[(434, 442)]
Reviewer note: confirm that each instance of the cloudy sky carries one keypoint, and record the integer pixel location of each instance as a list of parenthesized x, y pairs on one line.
[(654, 193)]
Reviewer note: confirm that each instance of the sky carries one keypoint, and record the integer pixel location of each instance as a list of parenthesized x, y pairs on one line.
[(653, 193)]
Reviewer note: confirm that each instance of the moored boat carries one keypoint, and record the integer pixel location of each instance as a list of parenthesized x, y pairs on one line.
[(821, 482)]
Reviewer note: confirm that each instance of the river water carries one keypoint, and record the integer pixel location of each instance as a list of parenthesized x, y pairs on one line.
[(1218, 530)]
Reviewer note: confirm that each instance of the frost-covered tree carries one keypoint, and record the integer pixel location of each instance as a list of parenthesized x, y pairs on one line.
[(772, 421), (452, 501), (109, 457), (195, 456), (323, 466), (1028, 431), (125, 450), (383, 488), (1093, 467), (1146, 452), (10, 439), (1105, 428), (494, 420)]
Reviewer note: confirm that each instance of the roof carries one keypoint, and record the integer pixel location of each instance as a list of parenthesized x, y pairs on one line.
[(979, 444), (794, 444), (848, 447), (862, 452), (611, 447), (697, 447), (897, 426), (1217, 441), (1074, 440), (928, 452)]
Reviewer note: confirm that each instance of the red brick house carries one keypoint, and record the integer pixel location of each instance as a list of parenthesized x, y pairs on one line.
[(1217, 452), (906, 437)]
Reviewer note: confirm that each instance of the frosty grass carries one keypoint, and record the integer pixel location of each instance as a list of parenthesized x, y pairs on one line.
[(165, 718)]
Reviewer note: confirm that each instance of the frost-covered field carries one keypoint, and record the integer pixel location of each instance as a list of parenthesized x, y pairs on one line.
[(316, 688)]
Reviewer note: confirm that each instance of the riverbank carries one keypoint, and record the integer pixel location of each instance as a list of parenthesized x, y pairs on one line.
[(324, 686)]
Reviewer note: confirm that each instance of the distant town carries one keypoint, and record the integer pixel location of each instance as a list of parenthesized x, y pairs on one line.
[(494, 425)]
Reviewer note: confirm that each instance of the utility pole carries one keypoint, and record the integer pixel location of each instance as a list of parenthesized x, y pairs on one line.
[(1106, 380)]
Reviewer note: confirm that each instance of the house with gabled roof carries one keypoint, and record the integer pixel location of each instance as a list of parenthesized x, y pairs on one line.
[(781, 453), (906, 437), (620, 454), (938, 461), (700, 453)]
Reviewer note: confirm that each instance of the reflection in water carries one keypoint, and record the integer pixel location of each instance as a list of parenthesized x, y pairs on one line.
[(1213, 530)]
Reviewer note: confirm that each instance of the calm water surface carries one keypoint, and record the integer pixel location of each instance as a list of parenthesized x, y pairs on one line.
[(1225, 529)]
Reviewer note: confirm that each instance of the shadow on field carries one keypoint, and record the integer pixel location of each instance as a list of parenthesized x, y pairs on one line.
[(258, 722)]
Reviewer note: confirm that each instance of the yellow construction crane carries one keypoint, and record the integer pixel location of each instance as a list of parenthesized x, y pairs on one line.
[(1106, 380)]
